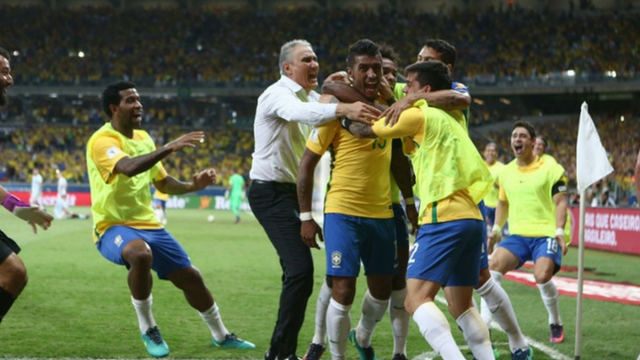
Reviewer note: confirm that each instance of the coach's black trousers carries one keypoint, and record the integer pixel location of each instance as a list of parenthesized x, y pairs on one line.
[(275, 205)]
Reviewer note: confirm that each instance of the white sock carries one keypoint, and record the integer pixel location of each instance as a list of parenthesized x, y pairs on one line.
[(212, 318), (143, 310), (400, 319), (436, 330), (338, 325), (550, 297), (320, 335), (496, 276), (372, 312), (476, 334), (496, 301), (486, 314)]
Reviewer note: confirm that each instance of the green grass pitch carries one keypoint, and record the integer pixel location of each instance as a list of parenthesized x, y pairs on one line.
[(77, 304)]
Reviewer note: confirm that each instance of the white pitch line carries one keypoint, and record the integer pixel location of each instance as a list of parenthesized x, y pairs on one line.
[(554, 354)]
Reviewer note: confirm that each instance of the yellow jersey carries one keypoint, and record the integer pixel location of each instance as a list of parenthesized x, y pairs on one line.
[(527, 189), (491, 200), (359, 182), (451, 177), (117, 199)]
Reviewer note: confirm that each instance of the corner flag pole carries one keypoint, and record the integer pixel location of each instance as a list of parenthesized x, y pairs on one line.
[(592, 165), (578, 342)]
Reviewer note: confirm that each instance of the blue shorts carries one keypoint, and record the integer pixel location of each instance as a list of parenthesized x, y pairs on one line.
[(533, 248), (168, 255), (349, 239), (402, 231), (484, 260), (490, 215), (448, 253), (162, 203)]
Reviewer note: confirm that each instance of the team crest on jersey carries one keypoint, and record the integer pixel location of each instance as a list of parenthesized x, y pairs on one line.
[(113, 152), (118, 241), (336, 259)]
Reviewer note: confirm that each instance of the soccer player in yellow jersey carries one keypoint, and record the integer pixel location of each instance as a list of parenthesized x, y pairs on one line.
[(400, 179), (122, 160), (533, 197), (456, 101), (358, 223), (451, 178), (491, 200)]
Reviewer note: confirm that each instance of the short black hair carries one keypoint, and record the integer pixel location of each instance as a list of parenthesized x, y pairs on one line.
[(495, 146), (111, 95), (527, 125), (362, 47), (387, 52), (433, 73), (5, 53), (543, 141), (446, 50)]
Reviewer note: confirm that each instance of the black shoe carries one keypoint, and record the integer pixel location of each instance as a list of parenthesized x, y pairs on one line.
[(270, 355), (399, 356), (315, 352)]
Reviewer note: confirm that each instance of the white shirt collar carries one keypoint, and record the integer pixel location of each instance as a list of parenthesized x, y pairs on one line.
[(290, 84)]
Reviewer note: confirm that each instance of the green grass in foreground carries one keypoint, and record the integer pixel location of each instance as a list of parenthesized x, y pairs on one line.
[(77, 304)]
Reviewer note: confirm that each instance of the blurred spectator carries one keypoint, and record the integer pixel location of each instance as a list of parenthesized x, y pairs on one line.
[(215, 47)]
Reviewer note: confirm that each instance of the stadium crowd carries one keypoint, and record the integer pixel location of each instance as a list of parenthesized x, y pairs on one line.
[(216, 48), (63, 147)]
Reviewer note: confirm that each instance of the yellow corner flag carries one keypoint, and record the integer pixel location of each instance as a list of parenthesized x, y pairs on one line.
[(591, 158)]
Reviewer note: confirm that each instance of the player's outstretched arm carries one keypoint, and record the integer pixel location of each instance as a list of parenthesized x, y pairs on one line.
[(31, 214), (560, 200), (448, 99), (173, 186), (502, 212), (132, 166), (309, 228)]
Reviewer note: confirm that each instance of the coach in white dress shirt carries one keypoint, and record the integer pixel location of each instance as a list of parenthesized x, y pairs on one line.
[(285, 115)]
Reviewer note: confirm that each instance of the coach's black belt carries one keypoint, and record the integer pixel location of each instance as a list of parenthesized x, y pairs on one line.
[(284, 185)]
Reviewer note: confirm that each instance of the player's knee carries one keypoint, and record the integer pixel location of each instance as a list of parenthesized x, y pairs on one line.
[(138, 256), (543, 276), (15, 277), (498, 262), (343, 292), (193, 276), (411, 303), (381, 293)]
